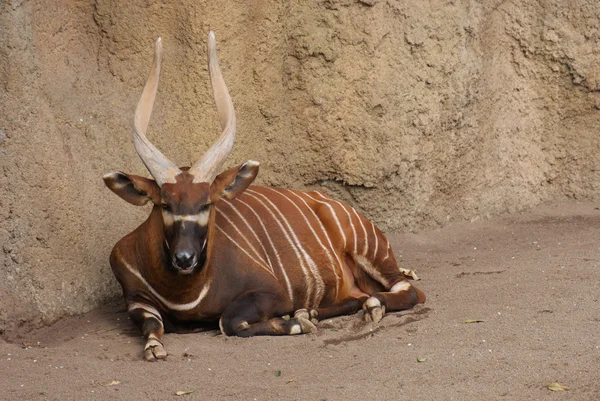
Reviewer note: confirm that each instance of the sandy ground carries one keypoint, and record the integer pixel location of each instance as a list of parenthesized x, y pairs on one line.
[(532, 278)]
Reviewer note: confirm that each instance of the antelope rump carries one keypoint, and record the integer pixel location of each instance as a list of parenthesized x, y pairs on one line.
[(217, 251)]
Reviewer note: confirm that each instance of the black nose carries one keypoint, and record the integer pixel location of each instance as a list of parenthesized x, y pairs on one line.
[(184, 260)]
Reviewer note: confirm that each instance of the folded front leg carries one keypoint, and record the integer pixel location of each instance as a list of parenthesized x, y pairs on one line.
[(258, 314), (149, 319)]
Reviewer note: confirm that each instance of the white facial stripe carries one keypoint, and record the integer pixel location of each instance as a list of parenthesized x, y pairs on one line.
[(200, 218), (308, 223), (273, 247), (400, 286), (163, 300)]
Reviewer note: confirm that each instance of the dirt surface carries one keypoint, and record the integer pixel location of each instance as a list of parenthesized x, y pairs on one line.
[(417, 113), (532, 278)]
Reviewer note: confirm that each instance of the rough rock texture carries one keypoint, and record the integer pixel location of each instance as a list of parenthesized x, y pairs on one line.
[(415, 112)]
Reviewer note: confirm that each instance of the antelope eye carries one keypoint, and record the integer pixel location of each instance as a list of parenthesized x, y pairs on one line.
[(205, 208), (166, 207)]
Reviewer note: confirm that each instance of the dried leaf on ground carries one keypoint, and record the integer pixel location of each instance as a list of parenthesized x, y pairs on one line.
[(409, 273), (291, 381), (473, 321), (421, 359), (184, 392), (557, 387), (113, 383)]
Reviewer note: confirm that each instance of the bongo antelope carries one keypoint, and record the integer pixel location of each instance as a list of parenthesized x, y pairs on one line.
[(217, 251)]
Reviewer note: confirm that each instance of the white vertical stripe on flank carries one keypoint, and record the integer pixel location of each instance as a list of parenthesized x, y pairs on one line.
[(241, 216), (309, 283), (320, 285), (387, 252), (337, 277), (285, 276), (376, 242), (368, 267), (366, 245), (232, 224), (347, 213), (245, 251), (331, 261), (337, 221), (163, 300)]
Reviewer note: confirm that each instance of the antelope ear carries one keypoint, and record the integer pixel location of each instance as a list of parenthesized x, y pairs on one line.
[(133, 188), (232, 182)]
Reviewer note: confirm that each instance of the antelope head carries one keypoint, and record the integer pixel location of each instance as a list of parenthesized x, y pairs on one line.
[(185, 197)]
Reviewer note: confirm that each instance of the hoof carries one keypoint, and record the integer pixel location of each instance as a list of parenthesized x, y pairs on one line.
[(314, 316), (311, 315), (154, 351), (306, 325), (373, 310), (302, 313), (302, 325)]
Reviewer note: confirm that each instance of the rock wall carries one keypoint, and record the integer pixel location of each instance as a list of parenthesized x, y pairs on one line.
[(417, 113)]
